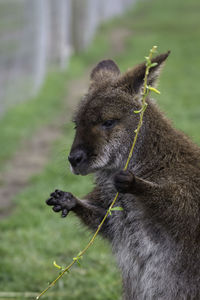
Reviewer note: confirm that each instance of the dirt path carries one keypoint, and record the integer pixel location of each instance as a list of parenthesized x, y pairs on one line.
[(33, 154)]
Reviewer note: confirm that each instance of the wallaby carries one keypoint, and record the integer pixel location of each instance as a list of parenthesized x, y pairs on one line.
[(156, 238)]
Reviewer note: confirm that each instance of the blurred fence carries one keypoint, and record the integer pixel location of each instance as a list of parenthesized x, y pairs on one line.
[(38, 34)]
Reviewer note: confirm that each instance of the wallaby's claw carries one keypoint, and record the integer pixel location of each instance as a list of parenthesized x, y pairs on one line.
[(62, 201), (123, 181)]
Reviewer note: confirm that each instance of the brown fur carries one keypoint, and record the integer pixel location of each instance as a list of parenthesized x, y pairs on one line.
[(156, 238)]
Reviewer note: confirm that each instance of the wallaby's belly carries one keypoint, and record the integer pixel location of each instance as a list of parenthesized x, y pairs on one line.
[(149, 268)]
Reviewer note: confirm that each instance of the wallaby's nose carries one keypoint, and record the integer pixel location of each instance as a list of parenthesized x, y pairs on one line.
[(77, 157)]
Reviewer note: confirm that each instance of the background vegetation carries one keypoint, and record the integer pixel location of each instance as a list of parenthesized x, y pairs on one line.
[(32, 237)]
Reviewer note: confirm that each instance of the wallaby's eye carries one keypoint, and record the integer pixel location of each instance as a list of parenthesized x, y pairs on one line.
[(109, 124)]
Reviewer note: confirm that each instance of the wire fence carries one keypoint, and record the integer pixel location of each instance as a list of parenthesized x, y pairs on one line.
[(38, 34)]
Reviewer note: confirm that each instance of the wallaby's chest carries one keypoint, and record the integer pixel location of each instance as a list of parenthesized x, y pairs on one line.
[(144, 262)]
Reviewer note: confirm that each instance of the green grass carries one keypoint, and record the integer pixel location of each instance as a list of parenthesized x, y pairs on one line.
[(22, 120), (33, 237)]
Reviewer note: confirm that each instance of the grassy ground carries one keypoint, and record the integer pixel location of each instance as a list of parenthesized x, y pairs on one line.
[(22, 120), (33, 237)]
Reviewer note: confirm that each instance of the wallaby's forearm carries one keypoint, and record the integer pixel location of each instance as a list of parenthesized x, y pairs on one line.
[(89, 213), (163, 203), (91, 210), (127, 182)]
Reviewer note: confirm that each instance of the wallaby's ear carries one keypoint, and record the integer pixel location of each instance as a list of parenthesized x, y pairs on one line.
[(133, 79), (104, 69)]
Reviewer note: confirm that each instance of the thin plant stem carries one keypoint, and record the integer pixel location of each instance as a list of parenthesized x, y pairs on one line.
[(145, 93)]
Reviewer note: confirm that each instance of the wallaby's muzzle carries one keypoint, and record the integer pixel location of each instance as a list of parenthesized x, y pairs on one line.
[(77, 159)]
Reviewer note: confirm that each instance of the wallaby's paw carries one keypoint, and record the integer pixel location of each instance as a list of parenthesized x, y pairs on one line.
[(123, 181), (62, 201)]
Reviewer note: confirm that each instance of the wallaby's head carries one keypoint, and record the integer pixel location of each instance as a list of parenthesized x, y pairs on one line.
[(105, 120)]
